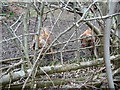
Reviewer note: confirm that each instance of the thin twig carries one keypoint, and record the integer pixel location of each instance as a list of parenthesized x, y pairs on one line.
[(68, 29), (36, 62)]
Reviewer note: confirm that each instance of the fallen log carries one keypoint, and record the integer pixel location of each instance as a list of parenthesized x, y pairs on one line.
[(41, 83), (53, 69)]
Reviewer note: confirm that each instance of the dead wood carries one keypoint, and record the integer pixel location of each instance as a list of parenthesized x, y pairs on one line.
[(54, 69)]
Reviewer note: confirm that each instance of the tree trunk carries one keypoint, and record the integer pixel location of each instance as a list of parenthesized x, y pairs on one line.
[(107, 46)]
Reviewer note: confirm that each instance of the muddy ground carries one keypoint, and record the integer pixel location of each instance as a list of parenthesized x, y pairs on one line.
[(10, 50)]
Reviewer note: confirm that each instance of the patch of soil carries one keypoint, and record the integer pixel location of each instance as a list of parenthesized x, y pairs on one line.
[(10, 49)]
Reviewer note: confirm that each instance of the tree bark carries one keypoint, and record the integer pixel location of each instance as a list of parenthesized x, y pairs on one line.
[(107, 45), (25, 32), (54, 69)]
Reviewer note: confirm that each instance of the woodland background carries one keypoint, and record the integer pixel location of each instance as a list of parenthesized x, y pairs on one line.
[(68, 65)]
